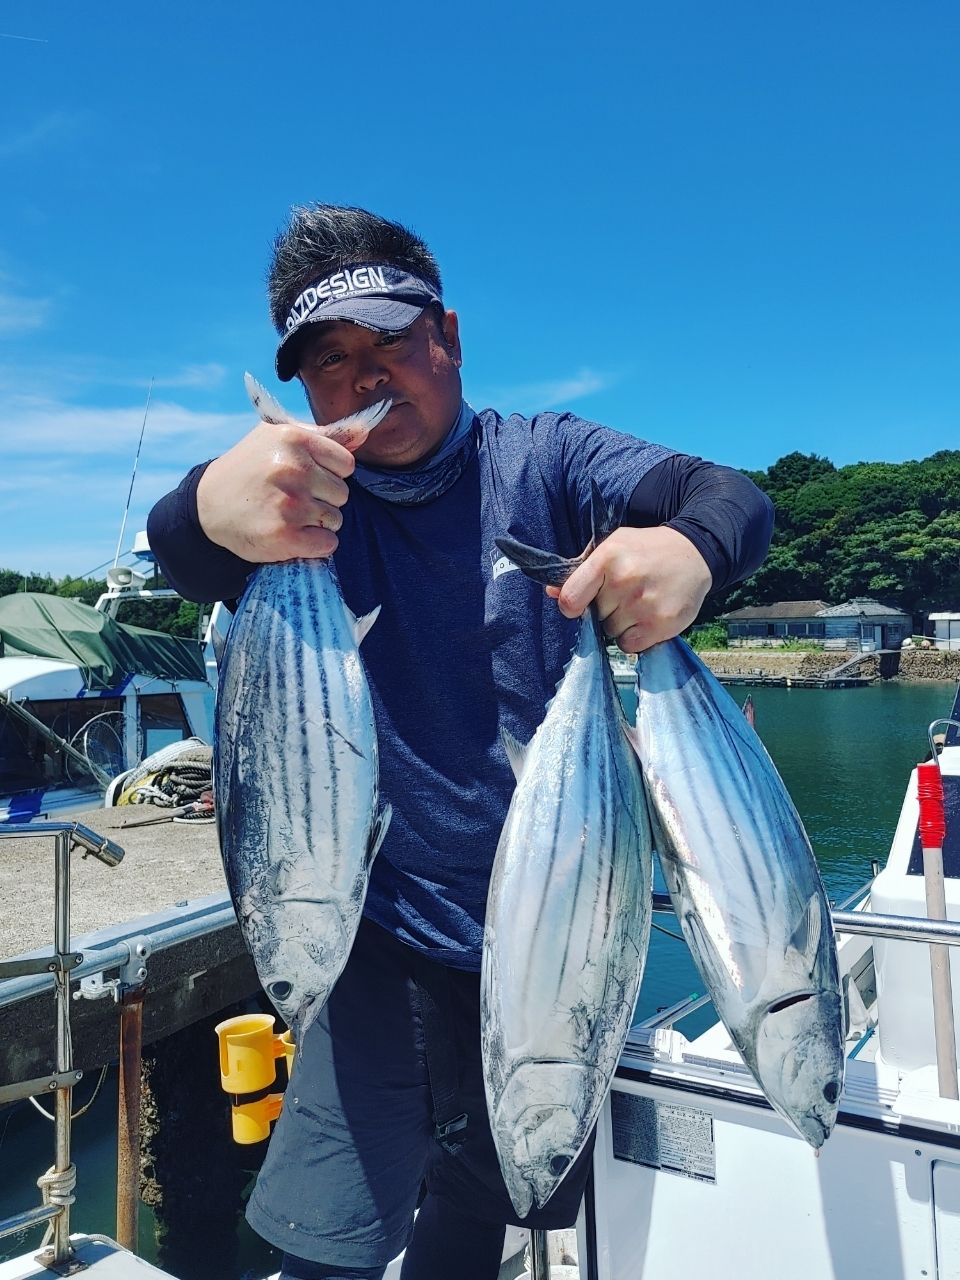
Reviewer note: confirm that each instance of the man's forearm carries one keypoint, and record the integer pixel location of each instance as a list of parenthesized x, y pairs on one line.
[(723, 513), (193, 565)]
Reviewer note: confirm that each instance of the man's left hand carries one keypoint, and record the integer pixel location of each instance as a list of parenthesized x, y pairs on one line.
[(648, 586)]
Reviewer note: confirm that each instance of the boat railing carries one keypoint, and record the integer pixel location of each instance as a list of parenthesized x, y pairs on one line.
[(872, 924), (58, 1182)]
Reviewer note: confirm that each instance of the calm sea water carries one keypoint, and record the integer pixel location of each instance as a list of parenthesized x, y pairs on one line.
[(845, 755)]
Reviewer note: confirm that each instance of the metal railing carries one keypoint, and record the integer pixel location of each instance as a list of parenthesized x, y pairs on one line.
[(58, 1182), (871, 924)]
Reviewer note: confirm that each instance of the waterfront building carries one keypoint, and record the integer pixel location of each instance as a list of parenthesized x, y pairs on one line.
[(946, 630), (858, 624)]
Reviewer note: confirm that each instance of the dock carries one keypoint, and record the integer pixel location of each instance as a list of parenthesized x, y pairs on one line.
[(169, 893), (758, 680)]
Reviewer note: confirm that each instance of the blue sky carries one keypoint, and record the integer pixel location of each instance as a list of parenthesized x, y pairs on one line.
[(730, 227)]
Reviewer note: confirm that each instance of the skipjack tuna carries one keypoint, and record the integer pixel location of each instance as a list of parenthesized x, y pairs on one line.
[(744, 884), (295, 767), (568, 918)]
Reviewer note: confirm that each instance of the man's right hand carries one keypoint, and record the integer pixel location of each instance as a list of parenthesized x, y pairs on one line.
[(277, 494)]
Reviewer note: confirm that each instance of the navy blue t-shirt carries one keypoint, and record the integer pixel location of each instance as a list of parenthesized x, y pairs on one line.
[(465, 645)]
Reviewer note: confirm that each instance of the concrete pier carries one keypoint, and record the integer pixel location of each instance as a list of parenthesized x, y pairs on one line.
[(171, 872)]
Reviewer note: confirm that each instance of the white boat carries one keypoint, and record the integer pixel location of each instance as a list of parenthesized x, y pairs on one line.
[(694, 1174), (623, 665), (83, 697)]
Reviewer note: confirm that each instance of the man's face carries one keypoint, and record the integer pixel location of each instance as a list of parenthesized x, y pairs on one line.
[(345, 367)]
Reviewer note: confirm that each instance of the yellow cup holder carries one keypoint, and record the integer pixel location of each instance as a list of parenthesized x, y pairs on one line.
[(249, 1048)]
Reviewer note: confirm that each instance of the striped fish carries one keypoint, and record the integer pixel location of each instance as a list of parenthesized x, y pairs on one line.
[(744, 884), (295, 768), (568, 919)]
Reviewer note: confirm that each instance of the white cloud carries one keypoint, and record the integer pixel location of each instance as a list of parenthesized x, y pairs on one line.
[(557, 393), (31, 425), (55, 126), (193, 375), (66, 472), (76, 375), (20, 315)]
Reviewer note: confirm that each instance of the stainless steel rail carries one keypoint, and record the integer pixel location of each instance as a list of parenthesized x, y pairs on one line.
[(539, 1256), (667, 1017), (58, 1181), (873, 925), (106, 850), (101, 956)]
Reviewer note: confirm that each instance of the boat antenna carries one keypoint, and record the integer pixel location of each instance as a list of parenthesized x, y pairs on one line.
[(133, 474)]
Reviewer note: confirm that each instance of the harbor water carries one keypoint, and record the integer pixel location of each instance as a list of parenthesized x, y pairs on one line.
[(845, 756)]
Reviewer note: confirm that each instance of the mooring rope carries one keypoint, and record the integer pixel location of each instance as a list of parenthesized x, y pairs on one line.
[(57, 1187), (181, 782)]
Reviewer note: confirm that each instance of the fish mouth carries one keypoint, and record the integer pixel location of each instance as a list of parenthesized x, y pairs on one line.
[(537, 1165), (540, 1127), (816, 1130)]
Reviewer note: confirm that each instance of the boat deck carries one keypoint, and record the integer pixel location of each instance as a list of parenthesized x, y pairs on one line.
[(165, 864), (101, 1258)]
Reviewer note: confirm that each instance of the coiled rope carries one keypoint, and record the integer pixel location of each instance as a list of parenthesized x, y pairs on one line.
[(178, 783)]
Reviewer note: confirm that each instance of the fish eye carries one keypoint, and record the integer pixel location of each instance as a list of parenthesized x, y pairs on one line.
[(831, 1091), (558, 1164), (280, 990)]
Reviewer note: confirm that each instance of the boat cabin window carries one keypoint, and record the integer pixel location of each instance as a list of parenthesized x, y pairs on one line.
[(29, 759), (162, 721)]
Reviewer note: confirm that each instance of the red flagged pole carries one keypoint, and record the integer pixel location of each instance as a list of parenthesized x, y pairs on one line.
[(933, 829)]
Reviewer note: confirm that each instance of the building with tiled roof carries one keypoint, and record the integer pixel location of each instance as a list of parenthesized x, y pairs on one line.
[(859, 623)]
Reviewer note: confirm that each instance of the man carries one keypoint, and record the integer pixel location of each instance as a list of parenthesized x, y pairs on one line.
[(464, 646)]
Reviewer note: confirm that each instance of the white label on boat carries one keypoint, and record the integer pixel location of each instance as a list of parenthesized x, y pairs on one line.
[(661, 1136)]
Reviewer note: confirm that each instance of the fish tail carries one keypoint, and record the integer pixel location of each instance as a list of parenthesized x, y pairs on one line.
[(547, 567), (269, 408), (351, 432), (603, 516)]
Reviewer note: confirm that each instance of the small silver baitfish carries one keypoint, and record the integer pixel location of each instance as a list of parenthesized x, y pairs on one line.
[(744, 884), (295, 766), (568, 918)]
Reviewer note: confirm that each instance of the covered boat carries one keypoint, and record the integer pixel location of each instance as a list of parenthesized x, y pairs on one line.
[(84, 697)]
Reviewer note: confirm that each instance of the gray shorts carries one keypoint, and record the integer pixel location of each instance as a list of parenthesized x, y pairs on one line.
[(355, 1139)]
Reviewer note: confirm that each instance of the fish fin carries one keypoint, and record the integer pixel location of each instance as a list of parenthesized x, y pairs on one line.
[(806, 937), (362, 625), (712, 968), (377, 832), (516, 752), (365, 420), (269, 408), (603, 517), (632, 735), (547, 567)]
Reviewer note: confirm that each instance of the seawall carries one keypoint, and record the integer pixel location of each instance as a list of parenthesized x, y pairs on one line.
[(907, 664)]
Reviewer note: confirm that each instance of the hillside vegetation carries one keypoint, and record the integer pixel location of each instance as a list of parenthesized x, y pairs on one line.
[(881, 529), (890, 530), (176, 617)]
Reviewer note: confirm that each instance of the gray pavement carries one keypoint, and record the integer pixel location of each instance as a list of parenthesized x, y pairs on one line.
[(164, 864)]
